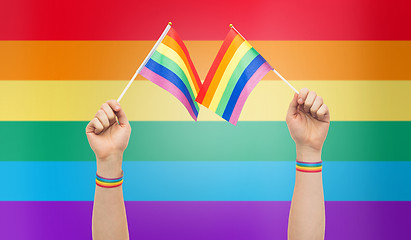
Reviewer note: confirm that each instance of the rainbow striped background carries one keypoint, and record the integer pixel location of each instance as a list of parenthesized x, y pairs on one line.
[(60, 60)]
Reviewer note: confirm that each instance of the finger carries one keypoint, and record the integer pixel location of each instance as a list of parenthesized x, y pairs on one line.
[(323, 113), (118, 111), (121, 115), (316, 105), (114, 105), (109, 112), (102, 117), (302, 95), (94, 126), (292, 109), (122, 118), (309, 101)]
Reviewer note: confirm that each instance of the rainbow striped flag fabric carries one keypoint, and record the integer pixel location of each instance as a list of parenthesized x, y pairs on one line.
[(171, 68), (235, 72)]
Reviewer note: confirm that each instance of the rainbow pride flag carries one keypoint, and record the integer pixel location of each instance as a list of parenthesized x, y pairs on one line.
[(235, 72), (171, 68)]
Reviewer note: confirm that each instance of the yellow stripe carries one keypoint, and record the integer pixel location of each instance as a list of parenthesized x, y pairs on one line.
[(309, 168), (171, 42), (234, 45), (109, 184), (170, 53), (144, 101), (241, 51)]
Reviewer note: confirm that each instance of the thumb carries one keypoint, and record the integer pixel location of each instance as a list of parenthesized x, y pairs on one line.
[(292, 109)]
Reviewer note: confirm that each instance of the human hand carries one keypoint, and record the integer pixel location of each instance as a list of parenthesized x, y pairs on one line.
[(308, 120), (109, 138)]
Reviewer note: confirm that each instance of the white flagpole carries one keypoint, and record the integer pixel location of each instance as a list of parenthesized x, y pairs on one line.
[(275, 71), (289, 84), (146, 60)]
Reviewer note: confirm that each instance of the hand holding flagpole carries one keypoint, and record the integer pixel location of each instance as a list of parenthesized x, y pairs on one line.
[(145, 60), (275, 71)]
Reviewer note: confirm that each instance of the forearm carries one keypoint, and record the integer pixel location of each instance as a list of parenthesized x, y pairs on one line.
[(307, 213), (109, 214)]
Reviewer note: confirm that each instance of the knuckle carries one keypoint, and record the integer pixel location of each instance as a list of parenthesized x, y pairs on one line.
[(100, 112), (105, 105), (313, 111), (303, 93), (111, 102)]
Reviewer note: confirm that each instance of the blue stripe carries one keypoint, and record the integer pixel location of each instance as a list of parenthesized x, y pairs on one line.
[(174, 79), (205, 181), (242, 81), (309, 164), (109, 180)]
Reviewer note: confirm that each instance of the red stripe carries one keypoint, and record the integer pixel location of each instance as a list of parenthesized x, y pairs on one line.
[(308, 171), (205, 20), (108, 186), (228, 39), (173, 34)]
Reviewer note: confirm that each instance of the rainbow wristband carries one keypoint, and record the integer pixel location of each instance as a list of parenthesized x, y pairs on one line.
[(109, 182), (309, 167)]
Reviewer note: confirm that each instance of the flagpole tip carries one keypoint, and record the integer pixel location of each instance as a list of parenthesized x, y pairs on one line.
[(170, 23), (231, 25)]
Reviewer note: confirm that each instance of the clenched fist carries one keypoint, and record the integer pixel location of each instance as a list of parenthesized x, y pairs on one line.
[(308, 120), (108, 134)]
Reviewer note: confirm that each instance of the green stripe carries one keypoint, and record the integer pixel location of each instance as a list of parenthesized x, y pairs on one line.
[(242, 65), (172, 66), (206, 141)]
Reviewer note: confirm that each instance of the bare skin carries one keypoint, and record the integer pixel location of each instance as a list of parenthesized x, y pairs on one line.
[(108, 134), (308, 120)]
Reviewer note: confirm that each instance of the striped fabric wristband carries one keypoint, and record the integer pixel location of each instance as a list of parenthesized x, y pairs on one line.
[(109, 182), (309, 167)]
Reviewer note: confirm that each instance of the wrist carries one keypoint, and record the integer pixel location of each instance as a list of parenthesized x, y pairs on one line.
[(308, 154), (110, 166)]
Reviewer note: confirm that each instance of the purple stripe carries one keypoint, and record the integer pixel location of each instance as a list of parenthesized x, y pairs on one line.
[(168, 86), (203, 220), (310, 162), (248, 88)]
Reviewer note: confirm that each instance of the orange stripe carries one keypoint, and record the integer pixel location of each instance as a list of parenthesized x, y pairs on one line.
[(235, 44), (217, 60), (173, 34), (171, 43), (118, 60)]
